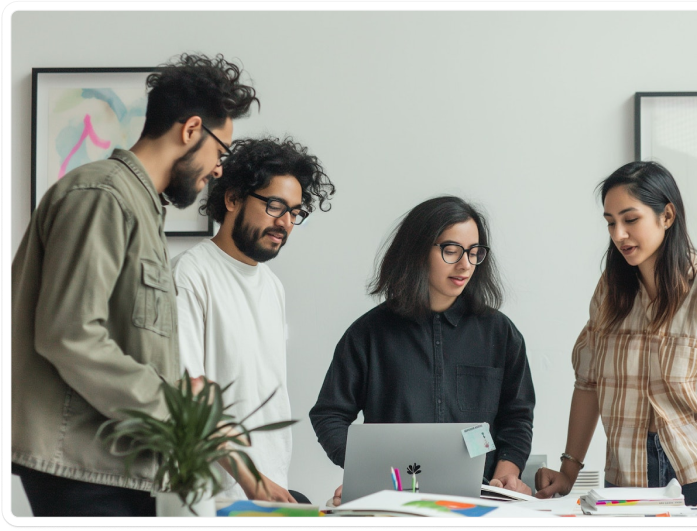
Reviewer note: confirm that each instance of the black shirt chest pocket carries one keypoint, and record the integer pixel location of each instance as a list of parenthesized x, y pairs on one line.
[(153, 309), (478, 388)]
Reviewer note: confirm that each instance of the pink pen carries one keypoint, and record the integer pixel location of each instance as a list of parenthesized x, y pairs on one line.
[(399, 480)]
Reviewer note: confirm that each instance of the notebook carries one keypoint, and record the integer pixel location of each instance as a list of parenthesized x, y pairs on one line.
[(437, 452)]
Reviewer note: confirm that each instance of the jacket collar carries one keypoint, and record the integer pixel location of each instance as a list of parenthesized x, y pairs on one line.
[(136, 167)]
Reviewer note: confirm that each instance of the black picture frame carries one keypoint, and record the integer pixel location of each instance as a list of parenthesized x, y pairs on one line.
[(116, 99), (639, 99)]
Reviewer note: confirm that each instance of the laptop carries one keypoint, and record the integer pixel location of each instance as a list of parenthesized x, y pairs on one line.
[(445, 466)]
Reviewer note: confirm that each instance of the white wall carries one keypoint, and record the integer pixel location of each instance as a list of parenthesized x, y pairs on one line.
[(523, 113)]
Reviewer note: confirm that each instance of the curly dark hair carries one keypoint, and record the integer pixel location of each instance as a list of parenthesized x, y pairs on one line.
[(254, 162), (195, 85)]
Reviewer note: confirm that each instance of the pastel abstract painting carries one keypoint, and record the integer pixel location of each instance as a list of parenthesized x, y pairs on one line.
[(87, 124)]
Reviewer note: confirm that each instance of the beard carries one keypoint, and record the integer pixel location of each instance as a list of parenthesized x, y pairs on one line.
[(247, 239), (181, 190)]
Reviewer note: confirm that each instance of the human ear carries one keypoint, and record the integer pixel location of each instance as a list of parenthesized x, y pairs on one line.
[(668, 216), (231, 201), (191, 128)]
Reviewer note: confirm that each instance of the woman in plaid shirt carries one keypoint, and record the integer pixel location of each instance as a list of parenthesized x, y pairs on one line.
[(636, 359)]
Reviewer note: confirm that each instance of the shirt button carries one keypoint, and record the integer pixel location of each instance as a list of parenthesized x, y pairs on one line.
[(437, 317), (440, 401), (437, 342)]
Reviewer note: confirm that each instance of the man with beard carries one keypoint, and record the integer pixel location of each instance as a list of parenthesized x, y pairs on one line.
[(232, 307), (94, 321)]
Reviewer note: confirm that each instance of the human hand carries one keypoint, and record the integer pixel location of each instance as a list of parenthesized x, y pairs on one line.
[(511, 482), (265, 490), (336, 500), (197, 384), (549, 482)]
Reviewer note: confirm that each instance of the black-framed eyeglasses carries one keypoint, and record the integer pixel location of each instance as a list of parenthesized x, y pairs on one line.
[(277, 208), (452, 253), (227, 153)]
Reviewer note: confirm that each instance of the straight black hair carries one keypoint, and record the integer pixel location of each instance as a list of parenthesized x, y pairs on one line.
[(654, 186), (402, 274)]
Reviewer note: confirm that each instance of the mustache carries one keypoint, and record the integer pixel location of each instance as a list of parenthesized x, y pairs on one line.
[(279, 231)]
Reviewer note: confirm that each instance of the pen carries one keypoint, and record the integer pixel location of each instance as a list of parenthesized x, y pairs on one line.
[(399, 480), (394, 478)]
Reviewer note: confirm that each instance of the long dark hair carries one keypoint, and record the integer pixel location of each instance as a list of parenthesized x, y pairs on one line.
[(654, 186), (402, 274)]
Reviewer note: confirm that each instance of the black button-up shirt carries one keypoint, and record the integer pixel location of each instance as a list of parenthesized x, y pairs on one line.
[(450, 367)]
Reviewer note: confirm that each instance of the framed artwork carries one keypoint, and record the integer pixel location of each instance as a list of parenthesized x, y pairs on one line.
[(665, 131), (81, 115)]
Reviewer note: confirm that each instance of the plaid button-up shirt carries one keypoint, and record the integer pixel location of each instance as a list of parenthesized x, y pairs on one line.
[(634, 371)]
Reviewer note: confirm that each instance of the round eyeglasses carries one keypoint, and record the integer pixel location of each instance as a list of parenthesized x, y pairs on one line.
[(453, 252), (277, 208)]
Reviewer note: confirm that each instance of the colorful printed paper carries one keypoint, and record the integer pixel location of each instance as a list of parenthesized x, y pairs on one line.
[(258, 508)]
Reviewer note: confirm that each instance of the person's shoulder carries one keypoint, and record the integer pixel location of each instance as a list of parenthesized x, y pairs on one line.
[(189, 265), (270, 277), (101, 173), (496, 320), (598, 295), (94, 176), (374, 319), (192, 256), (265, 270)]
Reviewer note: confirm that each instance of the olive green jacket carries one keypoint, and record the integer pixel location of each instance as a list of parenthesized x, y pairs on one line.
[(94, 322)]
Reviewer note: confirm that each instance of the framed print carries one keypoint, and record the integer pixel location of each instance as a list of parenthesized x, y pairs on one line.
[(81, 115), (665, 131)]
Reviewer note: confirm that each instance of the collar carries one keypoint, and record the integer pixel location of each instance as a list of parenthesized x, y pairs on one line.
[(456, 311), (131, 161)]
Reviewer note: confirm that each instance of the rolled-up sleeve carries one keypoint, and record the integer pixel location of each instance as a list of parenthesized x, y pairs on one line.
[(583, 354)]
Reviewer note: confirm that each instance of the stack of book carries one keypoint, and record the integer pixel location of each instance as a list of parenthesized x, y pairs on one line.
[(619, 501)]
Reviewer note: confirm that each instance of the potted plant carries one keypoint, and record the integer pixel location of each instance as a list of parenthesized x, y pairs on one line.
[(197, 433)]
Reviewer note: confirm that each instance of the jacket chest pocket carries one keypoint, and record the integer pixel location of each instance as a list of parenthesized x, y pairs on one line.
[(478, 388), (153, 309)]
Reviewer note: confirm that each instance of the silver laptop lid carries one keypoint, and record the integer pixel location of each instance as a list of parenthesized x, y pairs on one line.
[(438, 449)]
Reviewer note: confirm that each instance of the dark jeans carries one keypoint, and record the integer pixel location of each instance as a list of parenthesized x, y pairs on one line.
[(51, 495), (660, 471)]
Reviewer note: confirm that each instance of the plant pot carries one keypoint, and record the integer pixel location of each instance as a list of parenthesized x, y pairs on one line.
[(169, 504)]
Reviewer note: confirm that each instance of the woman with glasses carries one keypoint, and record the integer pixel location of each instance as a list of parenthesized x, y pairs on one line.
[(437, 349), (636, 359)]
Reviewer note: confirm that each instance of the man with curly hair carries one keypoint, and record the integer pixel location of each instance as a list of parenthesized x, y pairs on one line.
[(94, 321), (232, 315)]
